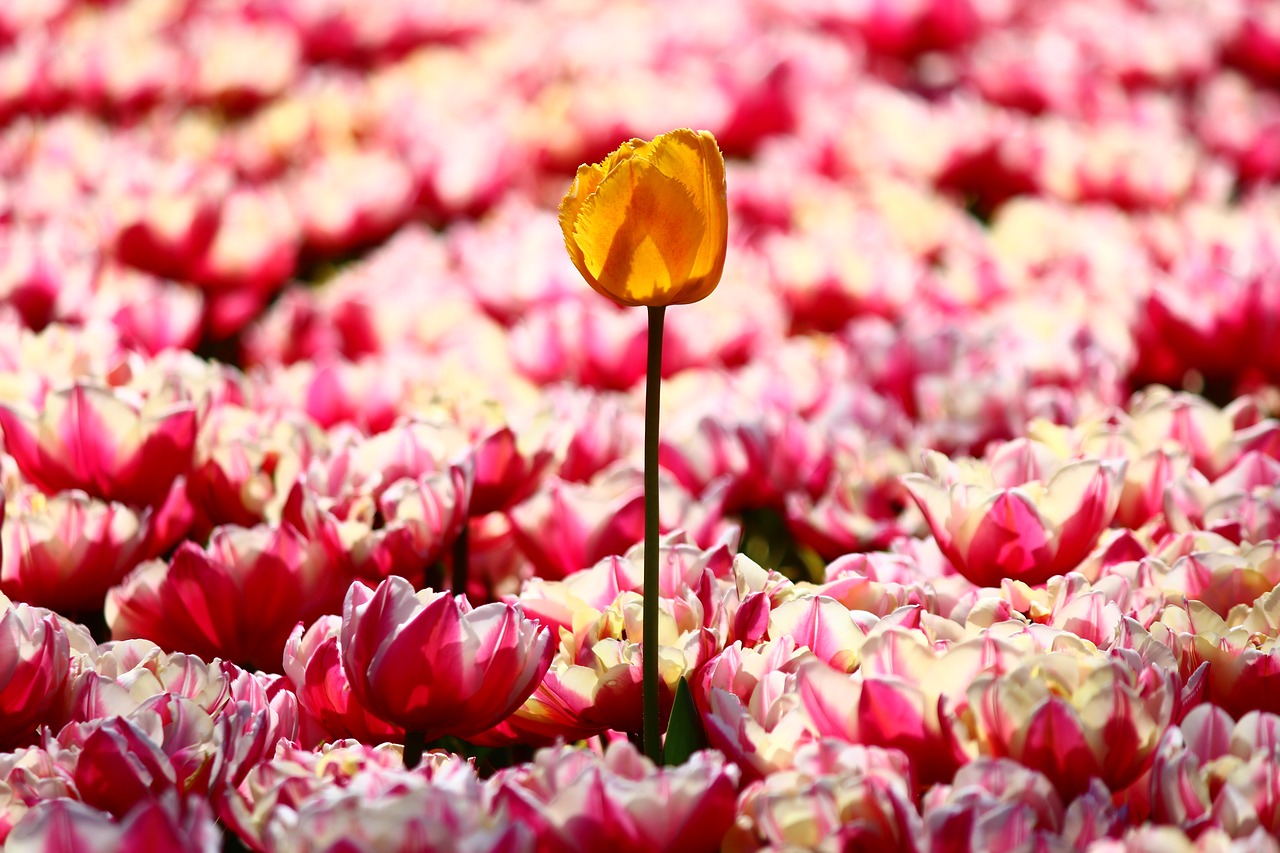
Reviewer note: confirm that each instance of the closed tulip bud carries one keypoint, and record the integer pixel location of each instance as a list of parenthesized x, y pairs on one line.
[(648, 225)]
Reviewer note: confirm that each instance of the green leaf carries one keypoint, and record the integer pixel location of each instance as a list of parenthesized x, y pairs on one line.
[(684, 730)]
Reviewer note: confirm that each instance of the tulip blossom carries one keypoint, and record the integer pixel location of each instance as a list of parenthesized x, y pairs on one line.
[(167, 744), (1242, 651), (350, 797), (648, 225), (567, 526), (1019, 515), (1074, 718), (837, 797), (905, 694), (171, 825), (244, 464), (28, 777), (433, 664), (66, 551), (419, 519), (105, 441), (197, 602), (505, 473), (313, 665), (995, 803), (125, 674), (35, 659), (577, 801), (686, 571), (751, 709), (595, 677)]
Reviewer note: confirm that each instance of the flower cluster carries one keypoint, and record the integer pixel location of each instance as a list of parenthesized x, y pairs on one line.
[(317, 453)]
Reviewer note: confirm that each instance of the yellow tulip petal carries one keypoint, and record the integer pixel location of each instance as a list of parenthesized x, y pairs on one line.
[(648, 225), (584, 184), (639, 233), (694, 159)]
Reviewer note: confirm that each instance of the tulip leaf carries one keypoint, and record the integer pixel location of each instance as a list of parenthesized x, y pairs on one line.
[(684, 730)]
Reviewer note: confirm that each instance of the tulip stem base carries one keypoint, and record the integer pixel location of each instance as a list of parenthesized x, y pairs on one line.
[(651, 720), (415, 744)]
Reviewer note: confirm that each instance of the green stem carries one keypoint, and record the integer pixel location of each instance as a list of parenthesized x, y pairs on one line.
[(649, 649), (415, 743)]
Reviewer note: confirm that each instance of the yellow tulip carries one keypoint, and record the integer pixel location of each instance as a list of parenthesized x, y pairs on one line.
[(648, 225)]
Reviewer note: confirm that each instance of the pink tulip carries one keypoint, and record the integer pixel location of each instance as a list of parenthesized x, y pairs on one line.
[(197, 602), (104, 441), (599, 429), (227, 74), (420, 519), (513, 268), (838, 797), (434, 664), (505, 473), (1222, 578), (364, 393), (1210, 771), (245, 462), (891, 711), (1021, 515), (584, 341), (348, 197), (1215, 438), (163, 217), (1251, 138), (357, 468), (750, 706), (824, 626), (764, 458), (566, 526), (35, 658), (1074, 718), (127, 673), (171, 825), (29, 777), (1242, 504), (1243, 654), (594, 680), (1071, 603), (852, 581), (313, 665), (864, 508), (152, 314), (997, 803), (578, 801), (66, 551), (346, 797), (164, 746), (1254, 40)]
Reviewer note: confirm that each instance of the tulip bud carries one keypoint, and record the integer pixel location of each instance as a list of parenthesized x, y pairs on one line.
[(648, 225)]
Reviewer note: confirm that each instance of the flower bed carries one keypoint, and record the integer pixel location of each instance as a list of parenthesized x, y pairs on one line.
[(318, 454)]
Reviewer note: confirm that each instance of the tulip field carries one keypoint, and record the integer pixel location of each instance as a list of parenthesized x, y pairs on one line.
[(330, 440)]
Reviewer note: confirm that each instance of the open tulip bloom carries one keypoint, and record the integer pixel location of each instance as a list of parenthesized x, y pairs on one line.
[(649, 225)]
